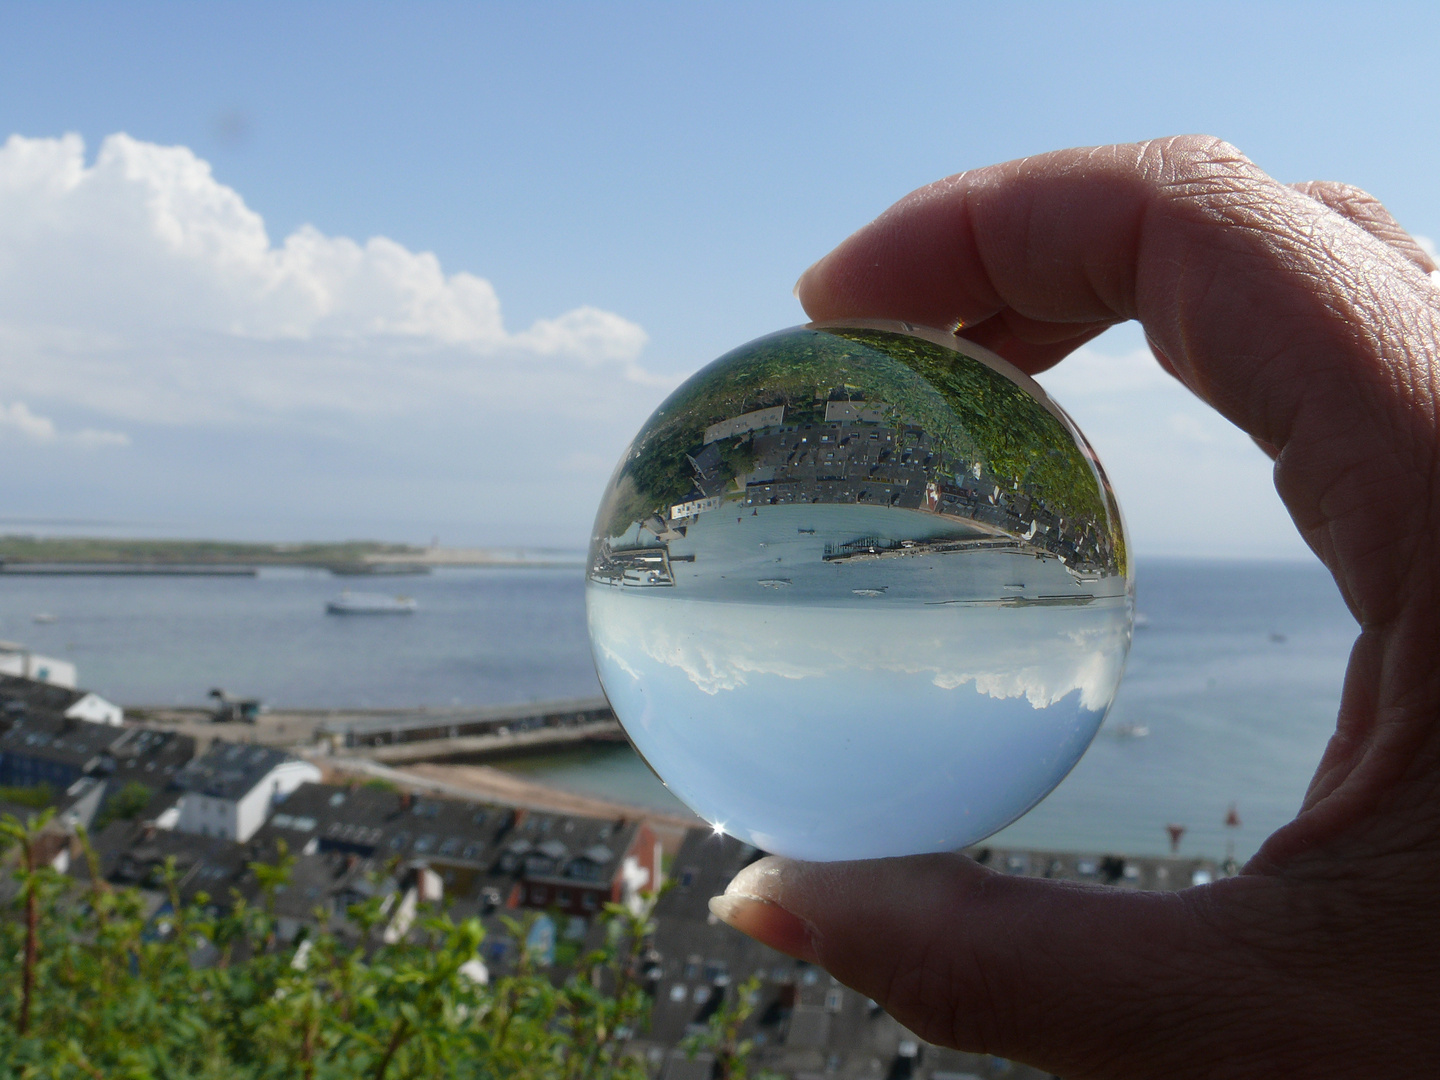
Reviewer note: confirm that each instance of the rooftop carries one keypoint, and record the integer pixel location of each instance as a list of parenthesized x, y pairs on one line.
[(229, 770), (20, 698), (53, 738)]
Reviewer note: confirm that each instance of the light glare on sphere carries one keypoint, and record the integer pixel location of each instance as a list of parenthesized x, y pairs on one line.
[(859, 590)]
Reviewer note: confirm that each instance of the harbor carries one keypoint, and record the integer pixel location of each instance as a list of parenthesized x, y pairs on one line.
[(530, 806), (1228, 712)]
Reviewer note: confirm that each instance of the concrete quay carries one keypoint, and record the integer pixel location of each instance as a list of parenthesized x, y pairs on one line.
[(406, 735)]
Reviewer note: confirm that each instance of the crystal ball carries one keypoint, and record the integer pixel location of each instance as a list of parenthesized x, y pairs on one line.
[(859, 590)]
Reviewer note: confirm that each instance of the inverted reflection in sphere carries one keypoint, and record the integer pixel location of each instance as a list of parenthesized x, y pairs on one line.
[(854, 592)]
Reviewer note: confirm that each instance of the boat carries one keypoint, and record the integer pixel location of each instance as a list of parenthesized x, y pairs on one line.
[(362, 603)]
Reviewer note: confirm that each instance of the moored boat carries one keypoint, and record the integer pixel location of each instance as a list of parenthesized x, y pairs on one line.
[(361, 603)]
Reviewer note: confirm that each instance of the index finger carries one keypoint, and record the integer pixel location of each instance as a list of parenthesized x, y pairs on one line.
[(1303, 329)]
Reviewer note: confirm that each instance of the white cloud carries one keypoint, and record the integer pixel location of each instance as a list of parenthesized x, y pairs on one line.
[(17, 419), (142, 288), (1039, 656)]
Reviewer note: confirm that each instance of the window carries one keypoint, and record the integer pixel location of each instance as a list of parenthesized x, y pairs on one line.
[(539, 894), (587, 901), (562, 897)]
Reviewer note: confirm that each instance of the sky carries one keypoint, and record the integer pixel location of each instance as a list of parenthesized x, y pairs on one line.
[(319, 271)]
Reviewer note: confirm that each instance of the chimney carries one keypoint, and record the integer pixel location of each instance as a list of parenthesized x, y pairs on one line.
[(405, 800)]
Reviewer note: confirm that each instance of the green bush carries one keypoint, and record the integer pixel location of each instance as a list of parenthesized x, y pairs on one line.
[(90, 987), (125, 805), (37, 797)]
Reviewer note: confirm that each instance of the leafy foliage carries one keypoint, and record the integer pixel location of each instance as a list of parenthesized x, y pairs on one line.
[(94, 985), (36, 797), (125, 805), (721, 1037)]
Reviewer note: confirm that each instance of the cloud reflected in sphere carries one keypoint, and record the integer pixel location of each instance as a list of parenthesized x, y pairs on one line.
[(859, 590)]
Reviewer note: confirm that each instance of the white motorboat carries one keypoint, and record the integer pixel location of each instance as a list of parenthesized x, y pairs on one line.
[(362, 603)]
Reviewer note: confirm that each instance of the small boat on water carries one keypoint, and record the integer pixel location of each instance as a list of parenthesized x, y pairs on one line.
[(363, 603), (1131, 731)]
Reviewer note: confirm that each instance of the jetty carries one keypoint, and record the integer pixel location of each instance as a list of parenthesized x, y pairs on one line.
[(405, 736)]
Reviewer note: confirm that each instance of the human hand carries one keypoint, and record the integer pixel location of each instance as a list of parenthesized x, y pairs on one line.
[(1308, 317)]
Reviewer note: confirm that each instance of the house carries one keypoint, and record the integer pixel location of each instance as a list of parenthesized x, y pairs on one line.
[(19, 662), (577, 865), (40, 748), (482, 855), (231, 789), (24, 696)]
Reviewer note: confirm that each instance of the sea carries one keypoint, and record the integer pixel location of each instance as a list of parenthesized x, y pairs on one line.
[(1229, 695)]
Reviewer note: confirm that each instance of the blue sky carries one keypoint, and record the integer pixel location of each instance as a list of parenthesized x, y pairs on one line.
[(636, 186)]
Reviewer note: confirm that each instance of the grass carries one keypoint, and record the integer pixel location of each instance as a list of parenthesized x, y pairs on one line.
[(67, 549)]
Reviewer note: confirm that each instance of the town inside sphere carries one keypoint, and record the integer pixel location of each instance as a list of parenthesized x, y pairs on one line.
[(858, 590)]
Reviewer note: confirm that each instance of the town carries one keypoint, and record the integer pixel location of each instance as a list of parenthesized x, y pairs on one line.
[(860, 453), (155, 804)]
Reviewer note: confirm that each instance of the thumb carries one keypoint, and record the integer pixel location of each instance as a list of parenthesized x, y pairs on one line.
[(1077, 979)]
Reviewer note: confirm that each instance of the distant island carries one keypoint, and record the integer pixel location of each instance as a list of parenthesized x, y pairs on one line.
[(32, 554)]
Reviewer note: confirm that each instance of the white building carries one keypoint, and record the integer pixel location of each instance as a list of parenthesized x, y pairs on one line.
[(97, 710), (17, 660), (232, 788), (694, 507)]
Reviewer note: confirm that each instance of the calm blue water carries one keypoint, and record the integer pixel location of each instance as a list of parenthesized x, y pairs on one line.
[(1233, 715), (479, 637)]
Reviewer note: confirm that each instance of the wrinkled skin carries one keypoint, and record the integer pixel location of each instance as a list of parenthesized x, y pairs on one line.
[(1307, 316)]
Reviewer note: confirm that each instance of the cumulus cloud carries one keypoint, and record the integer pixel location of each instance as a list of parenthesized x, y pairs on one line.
[(139, 286), (16, 419), (1040, 656)]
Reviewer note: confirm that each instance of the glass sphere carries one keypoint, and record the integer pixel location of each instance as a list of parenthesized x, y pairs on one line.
[(859, 590)]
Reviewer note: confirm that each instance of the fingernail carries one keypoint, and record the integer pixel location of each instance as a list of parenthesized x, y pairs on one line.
[(749, 906)]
